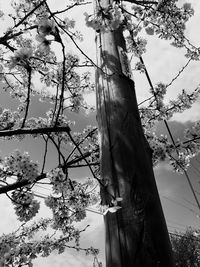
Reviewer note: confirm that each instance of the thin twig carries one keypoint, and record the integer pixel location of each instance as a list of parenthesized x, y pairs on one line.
[(29, 14), (45, 153), (179, 73), (68, 8), (88, 164), (80, 143), (28, 97), (57, 147)]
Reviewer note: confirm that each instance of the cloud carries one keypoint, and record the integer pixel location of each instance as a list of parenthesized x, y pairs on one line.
[(177, 128), (93, 236), (64, 260), (163, 166), (164, 62), (192, 114), (90, 99), (9, 221)]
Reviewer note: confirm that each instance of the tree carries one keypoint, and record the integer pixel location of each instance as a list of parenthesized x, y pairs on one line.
[(28, 58), (186, 248)]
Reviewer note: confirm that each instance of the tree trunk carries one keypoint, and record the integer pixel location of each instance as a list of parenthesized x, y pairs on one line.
[(136, 234)]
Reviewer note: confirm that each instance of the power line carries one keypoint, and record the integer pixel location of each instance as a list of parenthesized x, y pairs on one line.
[(185, 172), (171, 221), (175, 228), (191, 203), (180, 204), (195, 169), (43, 196), (169, 131)]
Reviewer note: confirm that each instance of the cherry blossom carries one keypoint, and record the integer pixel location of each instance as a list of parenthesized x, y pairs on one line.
[(46, 27), (24, 204), (20, 165), (29, 61), (21, 57)]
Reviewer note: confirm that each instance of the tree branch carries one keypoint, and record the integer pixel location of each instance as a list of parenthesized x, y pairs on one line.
[(19, 184), (46, 130), (30, 13), (28, 96), (142, 2)]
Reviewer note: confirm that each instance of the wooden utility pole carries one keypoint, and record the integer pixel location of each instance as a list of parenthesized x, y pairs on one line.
[(136, 234)]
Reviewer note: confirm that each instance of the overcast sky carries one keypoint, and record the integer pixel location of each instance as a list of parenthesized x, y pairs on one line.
[(163, 62)]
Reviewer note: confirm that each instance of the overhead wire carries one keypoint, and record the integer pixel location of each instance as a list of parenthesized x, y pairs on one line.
[(174, 222), (185, 172), (180, 204), (178, 226), (195, 169), (165, 121), (173, 228), (171, 136), (191, 203), (43, 196)]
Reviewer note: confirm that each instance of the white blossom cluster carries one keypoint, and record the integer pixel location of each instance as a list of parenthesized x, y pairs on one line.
[(184, 101), (181, 163), (37, 123), (136, 46), (8, 119), (160, 146), (192, 141), (59, 181), (21, 166), (61, 213), (70, 199), (68, 23), (105, 19), (193, 132), (46, 29), (167, 20), (48, 32), (140, 67), (21, 57), (158, 111), (60, 121), (24, 204), (21, 247), (179, 155), (159, 92)]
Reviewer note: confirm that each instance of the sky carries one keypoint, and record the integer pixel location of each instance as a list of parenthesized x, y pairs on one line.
[(163, 61)]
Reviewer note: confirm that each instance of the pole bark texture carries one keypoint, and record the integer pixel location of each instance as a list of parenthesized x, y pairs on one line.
[(136, 234)]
